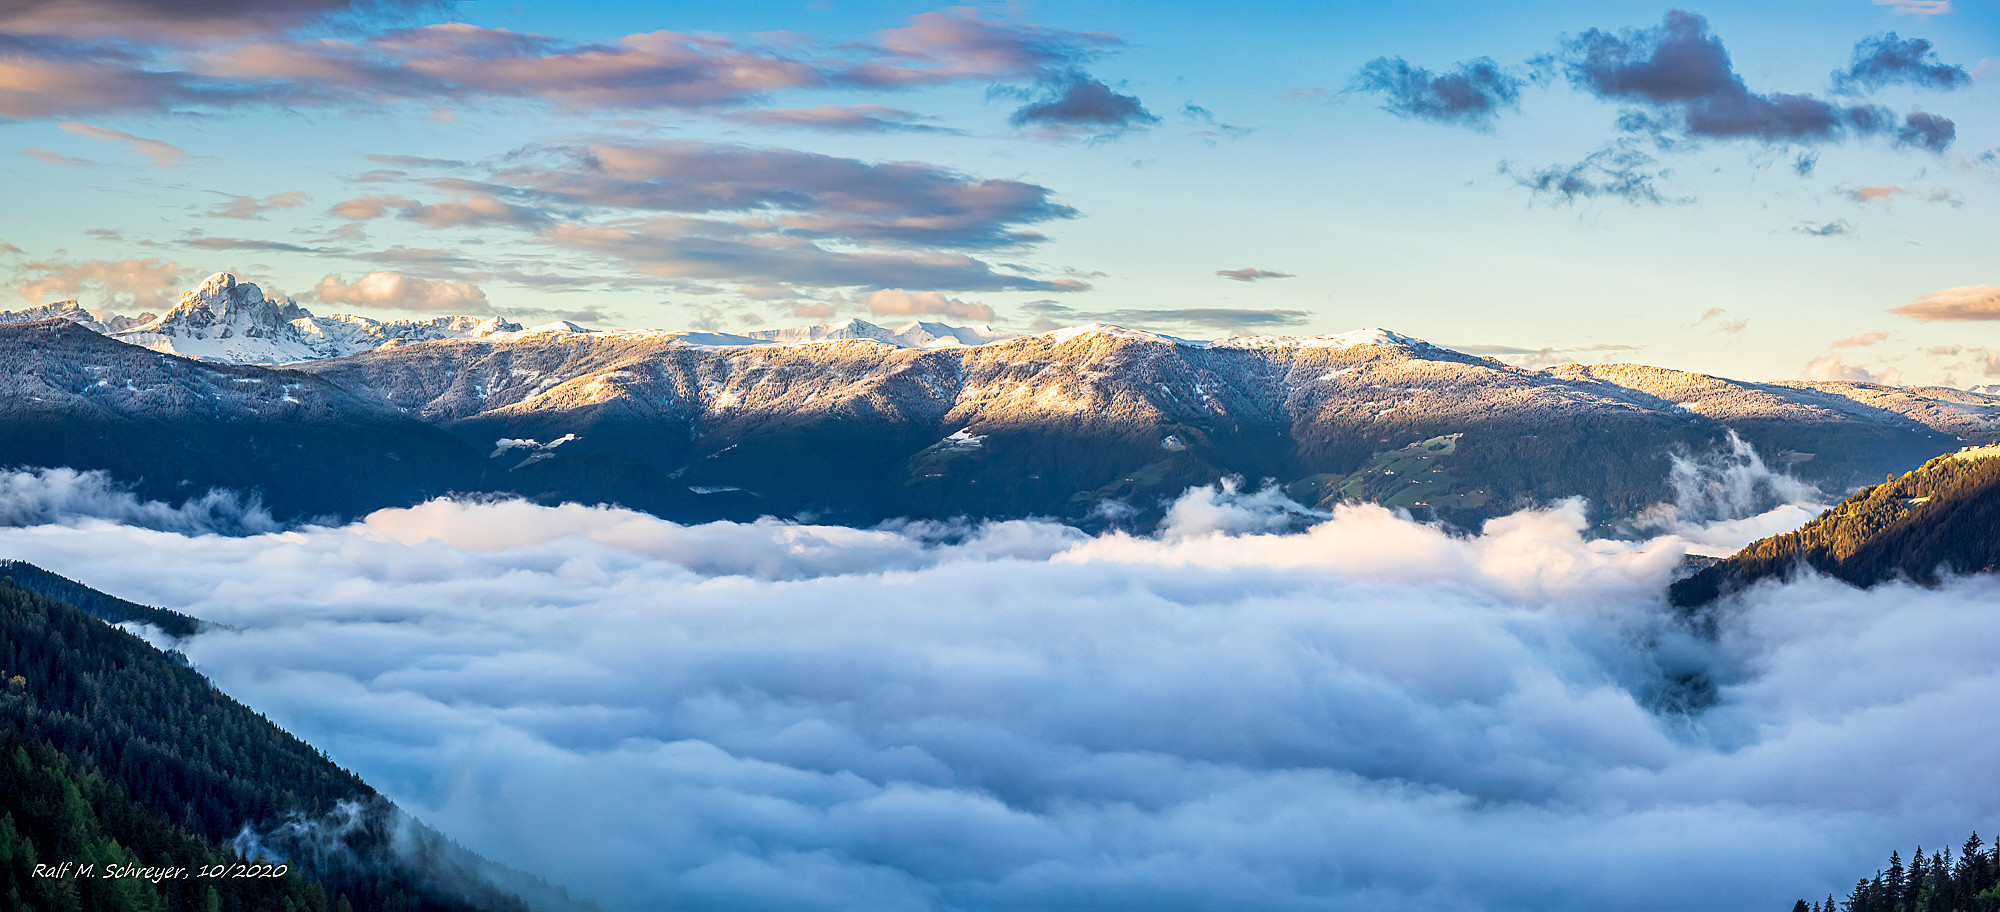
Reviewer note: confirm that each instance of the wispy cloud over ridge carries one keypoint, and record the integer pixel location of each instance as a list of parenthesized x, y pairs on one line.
[(1223, 318), (1251, 274)]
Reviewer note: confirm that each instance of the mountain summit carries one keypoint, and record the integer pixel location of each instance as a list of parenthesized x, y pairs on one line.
[(229, 320)]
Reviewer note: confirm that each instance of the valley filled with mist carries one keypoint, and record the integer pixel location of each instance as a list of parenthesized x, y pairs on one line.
[(1256, 705)]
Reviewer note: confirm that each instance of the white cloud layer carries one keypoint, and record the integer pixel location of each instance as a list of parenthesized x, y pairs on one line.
[(1366, 714)]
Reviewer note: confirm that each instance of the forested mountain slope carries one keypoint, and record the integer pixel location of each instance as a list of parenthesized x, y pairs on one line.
[(1944, 517), (113, 753)]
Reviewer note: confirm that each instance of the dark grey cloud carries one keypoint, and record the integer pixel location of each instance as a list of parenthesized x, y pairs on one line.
[(1076, 102), (1835, 228), (1251, 274), (1885, 60), (1926, 131), (1222, 318), (1804, 164), (1472, 96), (1686, 86)]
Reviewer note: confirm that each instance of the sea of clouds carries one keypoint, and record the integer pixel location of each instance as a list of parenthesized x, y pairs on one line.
[(1254, 707)]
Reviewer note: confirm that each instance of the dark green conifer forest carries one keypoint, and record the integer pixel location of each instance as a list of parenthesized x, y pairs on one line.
[(113, 753), (1967, 880)]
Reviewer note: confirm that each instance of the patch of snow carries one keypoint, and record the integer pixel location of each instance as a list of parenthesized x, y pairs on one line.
[(505, 444)]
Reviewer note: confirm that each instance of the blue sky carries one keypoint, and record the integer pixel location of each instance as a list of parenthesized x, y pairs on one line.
[(1760, 190)]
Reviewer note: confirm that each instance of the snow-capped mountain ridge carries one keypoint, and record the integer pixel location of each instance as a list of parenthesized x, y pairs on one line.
[(232, 321), (98, 322), (228, 320)]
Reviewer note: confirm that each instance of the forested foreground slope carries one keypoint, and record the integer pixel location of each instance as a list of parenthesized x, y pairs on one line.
[(1965, 881), (1944, 517), (112, 753)]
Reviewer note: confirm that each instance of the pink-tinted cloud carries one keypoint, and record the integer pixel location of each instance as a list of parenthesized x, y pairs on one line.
[(959, 45), (396, 291), (1966, 302), (250, 207), (897, 302), (1831, 367), (148, 283), (161, 154), (863, 118), (802, 193), (51, 156), (256, 62), (1864, 339), (474, 212), (1923, 8)]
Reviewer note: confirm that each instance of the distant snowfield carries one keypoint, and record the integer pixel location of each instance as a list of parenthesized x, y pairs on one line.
[(1257, 708)]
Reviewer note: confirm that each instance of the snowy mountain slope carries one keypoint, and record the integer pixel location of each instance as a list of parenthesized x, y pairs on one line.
[(173, 428), (857, 422), (75, 313), (1070, 418)]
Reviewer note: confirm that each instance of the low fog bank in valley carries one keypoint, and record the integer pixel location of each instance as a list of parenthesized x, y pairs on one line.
[(1254, 707)]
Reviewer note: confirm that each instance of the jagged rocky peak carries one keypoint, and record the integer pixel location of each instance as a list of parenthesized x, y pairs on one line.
[(231, 305)]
